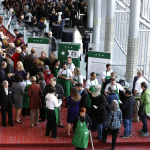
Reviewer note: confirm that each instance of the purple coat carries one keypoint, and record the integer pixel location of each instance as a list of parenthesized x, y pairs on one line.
[(20, 73)]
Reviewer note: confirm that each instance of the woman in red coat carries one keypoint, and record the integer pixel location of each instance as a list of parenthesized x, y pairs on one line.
[(15, 56), (34, 92)]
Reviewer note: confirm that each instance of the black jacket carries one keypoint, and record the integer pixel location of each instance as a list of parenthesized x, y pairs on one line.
[(135, 79), (59, 90), (21, 57), (3, 76), (84, 97), (3, 97), (101, 113), (53, 44), (82, 119), (128, 107)]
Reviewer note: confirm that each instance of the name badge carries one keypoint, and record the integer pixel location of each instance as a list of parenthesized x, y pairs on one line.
[(9, 92)]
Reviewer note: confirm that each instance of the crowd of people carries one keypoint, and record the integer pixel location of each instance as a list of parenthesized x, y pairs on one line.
[(35, 12)]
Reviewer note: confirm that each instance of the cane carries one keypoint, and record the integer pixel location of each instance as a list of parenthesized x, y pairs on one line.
[(91, 140)]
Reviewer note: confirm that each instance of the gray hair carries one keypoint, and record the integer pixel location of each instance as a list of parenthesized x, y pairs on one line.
[(111, 89), (114, 105), (97, 88), (5, 82)]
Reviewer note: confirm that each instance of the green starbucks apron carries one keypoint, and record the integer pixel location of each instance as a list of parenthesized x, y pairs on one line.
[(25, 97), (56, 114), (92, 89), (72, 85), (81, 135), (102, 89), (56, 71), (66, 84), (116, 91)]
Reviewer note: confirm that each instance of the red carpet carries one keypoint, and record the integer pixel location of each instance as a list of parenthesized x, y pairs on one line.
[(22, 135)]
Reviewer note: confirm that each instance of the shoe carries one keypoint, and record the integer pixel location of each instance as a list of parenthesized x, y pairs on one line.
[(140, 131), (19, 122), (46, 134), (42, 120), (11, 125), (130, 134), (56, 137), (133, 120), (31, 125), (124, 136), (61, 126), (145, 134), (4, 125), (35, 124), (98, 138), (103, 140)]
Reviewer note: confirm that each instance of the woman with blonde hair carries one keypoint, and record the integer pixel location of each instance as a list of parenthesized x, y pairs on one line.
[(15, 56), (77, 78), (20, 69), (73, 102), (54, 16), (53, 57), (34, 92)]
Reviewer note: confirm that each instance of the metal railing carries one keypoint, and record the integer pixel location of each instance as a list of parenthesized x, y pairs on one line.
[(145, 10)]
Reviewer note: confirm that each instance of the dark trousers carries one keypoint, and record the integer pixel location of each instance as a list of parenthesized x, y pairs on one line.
[(85, 48), (73, 22), (4, 109), (114, 136), (25, 111), (43, 109), (80, 148), (51, 123), (144, 129)]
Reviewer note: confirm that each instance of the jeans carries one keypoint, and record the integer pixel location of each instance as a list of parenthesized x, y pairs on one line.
[(144, 129), (114, 136), (100, 129), (127, 123)]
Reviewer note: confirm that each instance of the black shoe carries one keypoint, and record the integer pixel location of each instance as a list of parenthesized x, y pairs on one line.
[(18, 122), (4, 125), (97, 138), (11, 124), (46, 134), (104, 141), (42, 120), (61, 126)]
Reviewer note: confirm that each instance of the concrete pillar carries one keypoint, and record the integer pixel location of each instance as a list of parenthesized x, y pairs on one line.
[(90, 11), (133, 39), (97, 21), (110, 27)]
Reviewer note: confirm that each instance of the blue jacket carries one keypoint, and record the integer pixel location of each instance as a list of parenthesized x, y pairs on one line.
[(111, 97)]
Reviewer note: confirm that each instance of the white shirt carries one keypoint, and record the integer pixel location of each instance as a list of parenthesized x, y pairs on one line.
[(26, 82), (71, 67), (62, 71), (118, 86), (76, 78), (108, 74), (90, 83), (138, 84), (6, 91), (52, 101)]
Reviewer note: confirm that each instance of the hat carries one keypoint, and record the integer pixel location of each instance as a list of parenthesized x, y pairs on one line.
[(46, 67), (82, 109)]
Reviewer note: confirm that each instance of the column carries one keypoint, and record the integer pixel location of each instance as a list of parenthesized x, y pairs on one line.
[(110, 27), (90, 11), (97, 21), (133, 39)]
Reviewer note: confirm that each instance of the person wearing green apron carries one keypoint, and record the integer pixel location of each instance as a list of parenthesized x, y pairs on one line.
[(27, 83), (52, 105), (77, 78), (71, 66), (81, 127), (65, 76), (106, 75), (56, 69), (90, 87)]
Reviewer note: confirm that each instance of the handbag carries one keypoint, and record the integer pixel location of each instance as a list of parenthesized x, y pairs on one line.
[(141, 111)]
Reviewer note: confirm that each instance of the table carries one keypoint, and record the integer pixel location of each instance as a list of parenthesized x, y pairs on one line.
[(57, 31), (67, 36)]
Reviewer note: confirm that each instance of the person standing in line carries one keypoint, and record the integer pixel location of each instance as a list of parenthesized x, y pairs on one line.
[(85, 41), (127, 111), (52, 113), (90, 87), (137, 93), (113, 124), (145, 101)]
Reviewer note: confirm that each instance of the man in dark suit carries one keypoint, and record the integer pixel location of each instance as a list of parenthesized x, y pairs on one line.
[(10, 64), (6, 103), (23, 54), (28, 60), (84, 95), (73, 14), (3, 75), (52, 43)]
